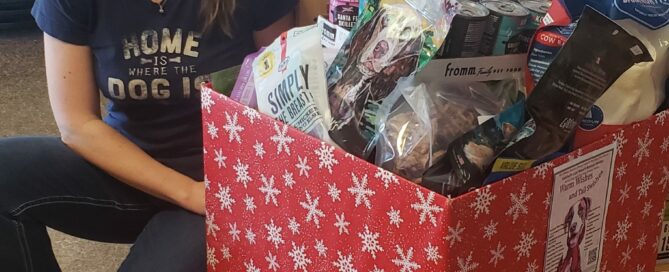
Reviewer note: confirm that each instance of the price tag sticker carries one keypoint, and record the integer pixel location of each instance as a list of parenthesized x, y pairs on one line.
[(663, 245)]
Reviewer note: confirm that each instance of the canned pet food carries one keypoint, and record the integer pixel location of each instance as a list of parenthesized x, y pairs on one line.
[(507, 19), (537, 10), (344, 13), (464, 38)]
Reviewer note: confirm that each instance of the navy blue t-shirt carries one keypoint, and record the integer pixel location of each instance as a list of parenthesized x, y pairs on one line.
[(150, 65)]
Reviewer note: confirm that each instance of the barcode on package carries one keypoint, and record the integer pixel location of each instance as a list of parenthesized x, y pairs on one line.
[(592, 256)]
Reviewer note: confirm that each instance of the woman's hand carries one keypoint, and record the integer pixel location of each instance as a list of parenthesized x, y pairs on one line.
[(194, 200)]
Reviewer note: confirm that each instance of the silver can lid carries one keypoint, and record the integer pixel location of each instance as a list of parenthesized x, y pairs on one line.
[(472, 10), (507, 8)]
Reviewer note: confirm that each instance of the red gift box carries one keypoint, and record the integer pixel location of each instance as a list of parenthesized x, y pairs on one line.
[(279, 200)]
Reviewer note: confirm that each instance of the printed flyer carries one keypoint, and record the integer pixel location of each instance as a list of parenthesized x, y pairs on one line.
[(580, 198)]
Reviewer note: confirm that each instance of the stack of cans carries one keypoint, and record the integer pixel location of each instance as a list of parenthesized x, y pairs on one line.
[(493, 27)]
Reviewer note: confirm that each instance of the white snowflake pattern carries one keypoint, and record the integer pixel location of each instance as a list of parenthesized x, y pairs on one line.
[(454, 234), (646, 209), (497, 254), (519, 203), (344, 263), (405, 261), (303, 166), (321, 248), (665, 145), (250, 204), (394, 216), (233, 128), (361, 191), (646, 182), (624, 194), (225, 253), (482, 202), (621, 171), (313, 213), (212, 130), (250, 267), (548, 200), (350, 156), (542, 170), (300, 259), (242, 173), (426, 208), (341, 224), (661, 117), (220, 159), (259, 149), (250, 236), (490, 230), (466, 264), (387, 177), (640, 268), (274, 234), (326, 157), (251, 114), (525, 245), (225, 198), (627, 255), (432, 253), (293, 226), (272, 263), (269, 190), (644, 148), (288, 179), (642, 241), (665, 177), (234, 232), (207, 101), (211, 257), (282, 139), (207, 182), (212, 228), (370, 242), (623, 227), (334, 192), (532, 267), (376, 269), (620, 141)]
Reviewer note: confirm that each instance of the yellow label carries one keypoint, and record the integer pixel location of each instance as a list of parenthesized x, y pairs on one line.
[(266, 64), (511, 165)]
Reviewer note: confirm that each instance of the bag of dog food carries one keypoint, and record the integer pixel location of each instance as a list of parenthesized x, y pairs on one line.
[(597, 53), (290, 81), (638, 93), (393, 39)]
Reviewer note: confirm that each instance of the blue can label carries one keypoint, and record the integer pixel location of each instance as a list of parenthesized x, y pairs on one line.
[(593, 119)]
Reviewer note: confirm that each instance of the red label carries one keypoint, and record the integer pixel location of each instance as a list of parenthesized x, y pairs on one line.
[(551, 39)]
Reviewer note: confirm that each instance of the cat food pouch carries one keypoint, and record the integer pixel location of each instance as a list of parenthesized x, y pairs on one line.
[(597, 53), (290, 81), (393, 39), (639, 91)]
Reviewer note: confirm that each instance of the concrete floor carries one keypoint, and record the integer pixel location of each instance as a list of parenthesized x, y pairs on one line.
[(24, 110)]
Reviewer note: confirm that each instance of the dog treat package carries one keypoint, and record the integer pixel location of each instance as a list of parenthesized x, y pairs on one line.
[(393, 39), (597, 53), (244, 90), (570, 87), (290, 81), (639, 91), (332, 39), (419, 120)]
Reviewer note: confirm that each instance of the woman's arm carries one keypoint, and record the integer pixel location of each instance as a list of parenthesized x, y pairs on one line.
[(75, 103), (266, 36)]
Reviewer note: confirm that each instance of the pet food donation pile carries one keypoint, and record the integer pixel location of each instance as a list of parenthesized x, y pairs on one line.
[(444, 135), (366, 92)]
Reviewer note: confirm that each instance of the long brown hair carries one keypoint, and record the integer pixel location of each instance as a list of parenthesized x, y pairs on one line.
[(219, 13)]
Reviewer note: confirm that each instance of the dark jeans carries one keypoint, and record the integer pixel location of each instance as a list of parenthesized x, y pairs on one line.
[(44, 183)]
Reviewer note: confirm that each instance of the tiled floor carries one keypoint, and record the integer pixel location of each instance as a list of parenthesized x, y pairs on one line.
[(24, 110)]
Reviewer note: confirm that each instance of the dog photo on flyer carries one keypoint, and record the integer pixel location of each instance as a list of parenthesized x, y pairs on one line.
[(579, 203)]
